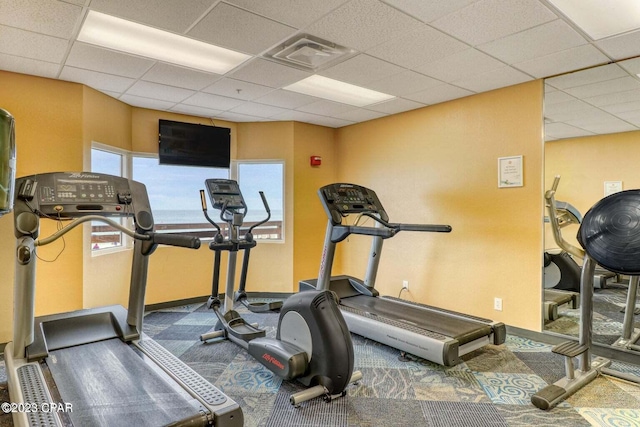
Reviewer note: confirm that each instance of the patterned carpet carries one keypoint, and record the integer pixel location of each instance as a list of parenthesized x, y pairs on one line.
[(492, 387)]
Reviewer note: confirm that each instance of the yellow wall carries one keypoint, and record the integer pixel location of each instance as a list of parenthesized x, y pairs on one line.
[(49, 125), (584, 164), (310, 219), (438, 165), (446, 154)]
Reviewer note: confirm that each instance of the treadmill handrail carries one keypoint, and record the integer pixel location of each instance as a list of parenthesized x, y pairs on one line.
[(181, 240), (55, 236), (341, 232), (431, 228)]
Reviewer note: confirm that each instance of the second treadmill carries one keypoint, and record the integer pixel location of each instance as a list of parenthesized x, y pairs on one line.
[(438, 335)]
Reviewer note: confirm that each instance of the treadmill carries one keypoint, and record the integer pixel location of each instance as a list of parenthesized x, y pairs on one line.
[(95, 366), (440, 336)]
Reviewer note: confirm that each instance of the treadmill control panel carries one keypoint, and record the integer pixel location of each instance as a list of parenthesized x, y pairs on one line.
[(76, 194), (225, 193), (341, 199)]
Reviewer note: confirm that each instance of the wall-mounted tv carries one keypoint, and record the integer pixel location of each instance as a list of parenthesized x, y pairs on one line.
[(191, 144)]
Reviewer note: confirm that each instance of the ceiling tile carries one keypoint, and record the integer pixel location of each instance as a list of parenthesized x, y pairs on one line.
[(552, 97), (585, 77), (621, 84), (605, 123), (438, 94), (267, 73), (286, 99), (563, 130), (295, 115), (237, 29), (631, 65), (180, 77), (172, 15), (94, 58), (331, 122), (416, 48), (160, 92), (621, 47), (459, 65), (562, 62), (623, 107), (56, 19), (361, 69), (613, 98), (33, 67), (395, 106), (237, 89), (632, 117), (326, 108), (290, 12), (534, 43), (360, 115), (428, 11), (362, 24), (214, 102), (404, 83), (569, 110), (96, 80), (32, 45), (195, 111), (237, 117), (258, 110), (142, 102), (502, 77), (487, 20)]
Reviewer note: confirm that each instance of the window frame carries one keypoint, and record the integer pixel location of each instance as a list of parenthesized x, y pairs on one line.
[(125, 162), (234, 167)]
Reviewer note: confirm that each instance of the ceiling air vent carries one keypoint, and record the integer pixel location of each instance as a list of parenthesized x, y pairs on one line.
[(309, 53)]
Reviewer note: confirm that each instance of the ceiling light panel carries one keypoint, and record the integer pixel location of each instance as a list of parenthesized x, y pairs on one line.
[(130, 37), (334, 90), (601, 18)]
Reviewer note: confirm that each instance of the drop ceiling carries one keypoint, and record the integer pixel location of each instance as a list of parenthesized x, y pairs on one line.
[(422, 52)]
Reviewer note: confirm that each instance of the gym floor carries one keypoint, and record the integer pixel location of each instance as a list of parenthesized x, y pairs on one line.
[(492, 387)]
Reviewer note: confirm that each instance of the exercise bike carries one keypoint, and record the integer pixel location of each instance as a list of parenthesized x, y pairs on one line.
[(312, 345)]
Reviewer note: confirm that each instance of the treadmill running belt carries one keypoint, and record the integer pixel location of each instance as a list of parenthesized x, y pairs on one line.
[(460, 329), (108, 384)]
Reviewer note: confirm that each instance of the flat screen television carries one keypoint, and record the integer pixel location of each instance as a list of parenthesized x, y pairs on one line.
[(190, 144)]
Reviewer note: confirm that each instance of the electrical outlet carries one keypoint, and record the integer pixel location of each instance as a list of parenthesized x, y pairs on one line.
[(497, 304), (405, 284)]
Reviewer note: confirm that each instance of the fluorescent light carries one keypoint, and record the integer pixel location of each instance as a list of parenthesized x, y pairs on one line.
[(334, 90), (601, 18), (126, 36)]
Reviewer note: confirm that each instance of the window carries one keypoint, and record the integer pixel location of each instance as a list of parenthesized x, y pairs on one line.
[(174, 194), (256, 176), (104, 236)]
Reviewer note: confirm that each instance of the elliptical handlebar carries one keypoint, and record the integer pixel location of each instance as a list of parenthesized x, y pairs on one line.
[(266, 208), (203, 202)]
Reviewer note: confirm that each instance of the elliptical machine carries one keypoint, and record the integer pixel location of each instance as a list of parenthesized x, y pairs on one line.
[(233, 214), (312, 344)]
